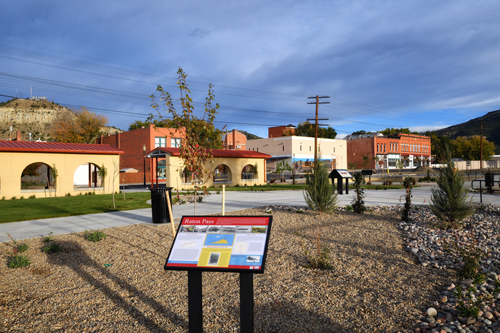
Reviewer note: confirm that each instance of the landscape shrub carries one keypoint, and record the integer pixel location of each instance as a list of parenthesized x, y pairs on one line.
[(449, 198), (407, 183), (358, 203), (94, 236), (51, 248), (18, 261), (319, 193), (319, 256)]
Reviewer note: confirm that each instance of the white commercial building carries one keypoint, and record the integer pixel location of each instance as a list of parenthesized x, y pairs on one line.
[(298, 151)]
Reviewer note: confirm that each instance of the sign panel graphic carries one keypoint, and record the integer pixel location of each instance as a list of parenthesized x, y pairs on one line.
[(221, 243)]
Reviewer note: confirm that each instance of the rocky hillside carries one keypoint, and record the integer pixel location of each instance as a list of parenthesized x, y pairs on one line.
[(491, 129), (32, 116)]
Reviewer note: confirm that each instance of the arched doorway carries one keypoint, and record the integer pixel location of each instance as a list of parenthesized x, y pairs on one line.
[(87, 176)]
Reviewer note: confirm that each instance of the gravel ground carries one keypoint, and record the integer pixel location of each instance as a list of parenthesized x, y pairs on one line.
[(118, 284), (427, 244)]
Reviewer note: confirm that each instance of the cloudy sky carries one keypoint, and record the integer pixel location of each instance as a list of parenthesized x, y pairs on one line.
[(417, 64)]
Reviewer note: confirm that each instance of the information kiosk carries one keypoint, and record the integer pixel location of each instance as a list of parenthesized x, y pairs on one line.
[(340, 174), (224, 244)]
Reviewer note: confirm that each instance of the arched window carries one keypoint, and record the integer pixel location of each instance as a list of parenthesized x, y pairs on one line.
[(37, 176), (222, 174)]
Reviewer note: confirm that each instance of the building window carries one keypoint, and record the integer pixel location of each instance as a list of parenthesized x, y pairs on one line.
[(377, 147), (385, 147), (309, 148), (175, 142), (257, 149), (283, 148), (300, 148), (334, 149), (160, 142)]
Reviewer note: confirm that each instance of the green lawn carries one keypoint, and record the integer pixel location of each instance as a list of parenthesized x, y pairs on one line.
[(31, 209)]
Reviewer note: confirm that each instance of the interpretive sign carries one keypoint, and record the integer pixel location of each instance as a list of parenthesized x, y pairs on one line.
[(344, 173), (220, 243)]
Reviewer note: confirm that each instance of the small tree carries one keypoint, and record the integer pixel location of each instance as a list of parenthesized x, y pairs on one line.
[(449, 199), (281, 167), (195, 150), (353, 166), (102, 172), (408, 184), (319, 193), (116, 173), (358, 203), (399, 165), (54, 174), (366, 160)]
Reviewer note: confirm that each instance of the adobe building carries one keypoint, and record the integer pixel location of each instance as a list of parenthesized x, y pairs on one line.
[(135, 144), (230, 167), (278, 131), (235, 141), (29, 169), (298, 151), (387, 152)]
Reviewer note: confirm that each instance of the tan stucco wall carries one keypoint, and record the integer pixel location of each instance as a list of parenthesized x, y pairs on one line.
[(302, 148), (236, 165), (13, 163)]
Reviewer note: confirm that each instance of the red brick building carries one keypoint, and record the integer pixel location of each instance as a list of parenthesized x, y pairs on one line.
[(235, 141), (276, 132), (387, 152), (135, 143)]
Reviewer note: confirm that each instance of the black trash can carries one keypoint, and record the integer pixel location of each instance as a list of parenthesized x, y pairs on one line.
[(159, 204)]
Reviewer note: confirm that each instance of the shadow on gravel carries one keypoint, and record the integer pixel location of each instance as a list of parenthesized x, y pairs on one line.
[(162, 248), (80, 262)]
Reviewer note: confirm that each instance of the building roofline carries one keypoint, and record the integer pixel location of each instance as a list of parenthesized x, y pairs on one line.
[(57, 147)]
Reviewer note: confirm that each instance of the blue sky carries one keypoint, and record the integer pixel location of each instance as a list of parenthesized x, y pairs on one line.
[(417, 64)]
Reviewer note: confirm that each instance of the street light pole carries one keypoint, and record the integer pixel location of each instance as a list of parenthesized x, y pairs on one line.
[(144, 159)]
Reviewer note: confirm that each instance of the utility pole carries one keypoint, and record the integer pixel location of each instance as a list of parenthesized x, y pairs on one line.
[(482, 146), (317, 97)]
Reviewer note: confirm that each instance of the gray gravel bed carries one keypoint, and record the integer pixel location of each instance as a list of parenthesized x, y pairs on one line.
[(427, 244), (118, 284)]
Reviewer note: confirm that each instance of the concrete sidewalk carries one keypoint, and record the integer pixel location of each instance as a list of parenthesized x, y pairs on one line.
[(210, 205)]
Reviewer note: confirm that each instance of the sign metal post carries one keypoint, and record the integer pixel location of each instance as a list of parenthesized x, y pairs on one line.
[(224, 244)]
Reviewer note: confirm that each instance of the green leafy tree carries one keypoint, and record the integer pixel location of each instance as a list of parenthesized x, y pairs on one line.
[(319, 193), (471, 149), (195, 150), (396, 131), (449, 199), (438, 145), (358, 204), (307, 129), (359, 132)]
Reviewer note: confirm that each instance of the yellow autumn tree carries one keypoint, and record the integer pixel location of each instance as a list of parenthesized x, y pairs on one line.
[(82, 126)]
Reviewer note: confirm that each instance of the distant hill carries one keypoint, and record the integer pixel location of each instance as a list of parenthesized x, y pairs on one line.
[(32, 116), (250, 136), (491, 129)]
